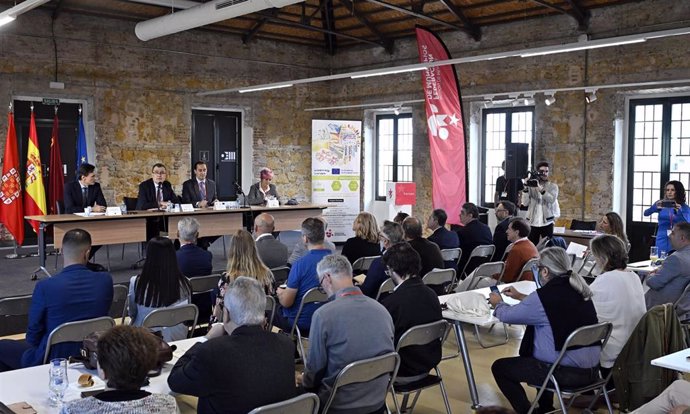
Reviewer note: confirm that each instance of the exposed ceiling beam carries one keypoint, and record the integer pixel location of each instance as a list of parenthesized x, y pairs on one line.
[(579, 11), (388, 43), (471, 28), (299, 25), (328, 23), (574, 13), (257, 26), (418, 15)]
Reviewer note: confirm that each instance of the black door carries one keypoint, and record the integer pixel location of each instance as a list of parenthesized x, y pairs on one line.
[(216, 138)]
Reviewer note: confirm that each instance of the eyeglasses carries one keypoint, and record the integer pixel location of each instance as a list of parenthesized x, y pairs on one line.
[(321, 279), (388, 272), (498, 210), (159, 173), (544, 171)]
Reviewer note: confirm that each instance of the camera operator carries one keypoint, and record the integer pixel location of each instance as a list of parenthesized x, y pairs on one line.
[(540, 196)]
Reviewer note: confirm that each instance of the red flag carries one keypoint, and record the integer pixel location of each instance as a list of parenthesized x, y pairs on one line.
[(445, 127), (56, 178), (35, 201), (11, 188)]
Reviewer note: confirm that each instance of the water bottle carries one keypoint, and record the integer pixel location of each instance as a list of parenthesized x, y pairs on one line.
[(123, 208), (57, 381)]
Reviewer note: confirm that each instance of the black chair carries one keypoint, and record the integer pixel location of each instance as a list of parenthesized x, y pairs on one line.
[(583, 225), (14, 315)]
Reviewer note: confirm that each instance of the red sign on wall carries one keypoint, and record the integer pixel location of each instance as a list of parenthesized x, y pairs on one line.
[(405, 194)]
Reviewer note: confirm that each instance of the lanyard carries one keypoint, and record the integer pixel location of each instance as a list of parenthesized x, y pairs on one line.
[(351, 293)]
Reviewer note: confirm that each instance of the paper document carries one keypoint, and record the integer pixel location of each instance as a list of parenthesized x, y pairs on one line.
[(577, 249)]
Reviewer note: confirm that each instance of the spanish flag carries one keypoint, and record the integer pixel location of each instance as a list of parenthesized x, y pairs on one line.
[(35, 201)]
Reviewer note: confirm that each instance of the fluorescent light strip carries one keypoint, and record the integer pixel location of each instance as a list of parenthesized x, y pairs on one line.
[(6, 19), (23, 7), (583, 47), (265, 88), (378, 72)]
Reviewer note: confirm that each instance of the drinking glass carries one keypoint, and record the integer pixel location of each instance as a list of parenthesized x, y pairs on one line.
[(123, 208), (653, 254), (57, 381)]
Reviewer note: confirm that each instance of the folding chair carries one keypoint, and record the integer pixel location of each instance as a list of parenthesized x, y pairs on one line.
[(304, 404), (485, 271), (271, 311), (76, 331), (202, 287), (422, 335), (440, 280), (171, 316), (527, 267), (481, 254), (204, 284), (581, 337), (280, 275), (118, 309), (362, 264), (682, 308), (365, 371), (386, 287), (14, 314), (313, 295), (451, 255)]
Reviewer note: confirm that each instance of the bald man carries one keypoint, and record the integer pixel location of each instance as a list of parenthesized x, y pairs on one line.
[(272, 252)]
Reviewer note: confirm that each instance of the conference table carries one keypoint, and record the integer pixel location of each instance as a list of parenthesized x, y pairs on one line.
[(458, 320), (30, 385), (131, 227), (677, 361)]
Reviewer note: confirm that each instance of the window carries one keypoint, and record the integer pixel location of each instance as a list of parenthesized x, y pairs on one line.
[(659, 150), (393, 151), (502, 126)]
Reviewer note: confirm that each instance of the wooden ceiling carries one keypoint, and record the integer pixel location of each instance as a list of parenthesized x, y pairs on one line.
[(341, 23)]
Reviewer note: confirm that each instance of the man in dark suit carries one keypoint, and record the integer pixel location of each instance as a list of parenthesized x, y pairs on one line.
[(272, 252), (74, 294), (428, 251), (473, 233), (199, 191), (193, 260), (241, 366), (156, 193), (444, 238), (411, 304), (84, 192), (505, 210)]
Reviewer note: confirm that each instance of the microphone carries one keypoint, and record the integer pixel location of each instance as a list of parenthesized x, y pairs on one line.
[(238, 188)]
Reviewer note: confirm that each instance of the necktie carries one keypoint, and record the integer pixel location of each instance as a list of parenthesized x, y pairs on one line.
[(202, 189), (84, 196), (159, 194)]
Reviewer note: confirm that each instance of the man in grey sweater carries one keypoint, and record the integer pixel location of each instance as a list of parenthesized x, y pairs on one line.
[(667, 283)]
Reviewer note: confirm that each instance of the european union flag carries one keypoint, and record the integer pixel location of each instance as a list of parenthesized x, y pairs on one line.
[(82, 154)]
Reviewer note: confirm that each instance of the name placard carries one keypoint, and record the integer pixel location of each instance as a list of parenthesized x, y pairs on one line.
[(272, 203), (113, 211), (186, 208)]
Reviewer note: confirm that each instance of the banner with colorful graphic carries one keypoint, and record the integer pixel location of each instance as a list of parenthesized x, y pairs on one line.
[(445, 127), (35, 201), (11, 210), (335, 173)]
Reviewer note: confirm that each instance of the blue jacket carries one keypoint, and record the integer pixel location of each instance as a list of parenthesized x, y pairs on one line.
[(194, 261), (666, 219), (74, 294), (445, 238)]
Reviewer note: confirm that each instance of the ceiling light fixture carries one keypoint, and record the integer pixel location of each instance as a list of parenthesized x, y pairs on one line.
[(550, 98), (590, 95), (379, 72), (11, 14), (265, 88), (489, 101)]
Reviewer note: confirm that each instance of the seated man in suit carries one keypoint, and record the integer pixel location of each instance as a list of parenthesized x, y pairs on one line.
[(667, 283), (473, 233), (411, 304), (391, 234), (428, 251), (240, 366), (200, 191), (154, 194), (85, 192), (444, 238), (193, 260), (272, 252), (302, 277), (74, 294), (339, 337), (505, 210)]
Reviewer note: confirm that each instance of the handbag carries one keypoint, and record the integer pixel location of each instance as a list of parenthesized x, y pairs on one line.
[(89, 351)]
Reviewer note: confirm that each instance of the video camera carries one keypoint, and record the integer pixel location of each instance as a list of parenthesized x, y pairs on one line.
[(533, 180)]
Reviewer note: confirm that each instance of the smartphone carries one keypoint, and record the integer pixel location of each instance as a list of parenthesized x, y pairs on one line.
[(494, 289), (668, 204), (85, 394)]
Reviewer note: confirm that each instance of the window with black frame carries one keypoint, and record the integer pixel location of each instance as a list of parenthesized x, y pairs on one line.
[(501, 126), (393, 151)]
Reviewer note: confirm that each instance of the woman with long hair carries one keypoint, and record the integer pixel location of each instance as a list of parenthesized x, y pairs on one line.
[(161, 284), (560, 306), (671, 209), (243, 260), (611, 223), (366, 240)]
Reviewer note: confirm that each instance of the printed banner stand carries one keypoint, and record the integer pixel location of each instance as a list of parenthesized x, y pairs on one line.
[(400, 196)]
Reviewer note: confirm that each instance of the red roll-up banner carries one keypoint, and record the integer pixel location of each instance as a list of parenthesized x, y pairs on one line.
[(445, 127)]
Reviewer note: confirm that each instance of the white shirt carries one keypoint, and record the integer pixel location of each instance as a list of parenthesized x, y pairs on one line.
[(619, 299), (260, 236)]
